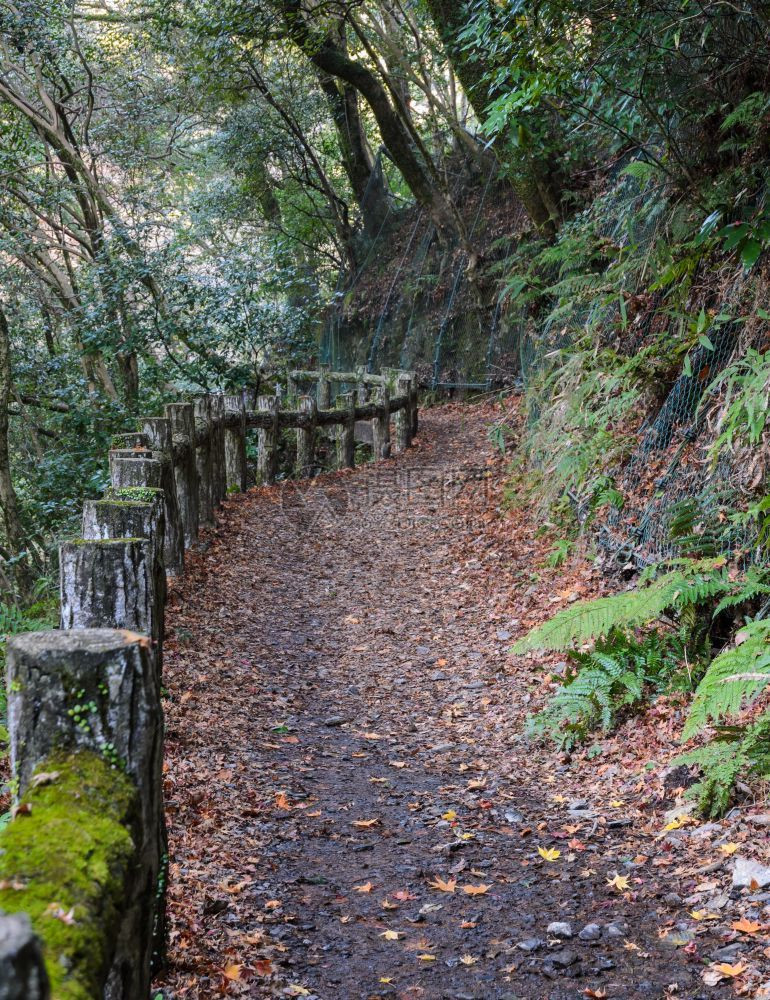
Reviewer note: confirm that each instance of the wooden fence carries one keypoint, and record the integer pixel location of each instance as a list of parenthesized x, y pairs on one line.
[(83, 861)]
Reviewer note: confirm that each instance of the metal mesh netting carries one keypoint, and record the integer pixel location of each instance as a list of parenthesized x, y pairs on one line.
[(431, 318), (430, 321)]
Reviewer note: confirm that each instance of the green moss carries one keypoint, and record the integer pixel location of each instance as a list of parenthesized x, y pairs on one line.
[(103, 541), (137, 494), (110, 502), (70, 856)]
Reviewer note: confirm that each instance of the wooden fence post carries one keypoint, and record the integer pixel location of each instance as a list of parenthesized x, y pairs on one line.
[(203, 459), (218, 462), (181, 417), (110, 583), (136, 472), (267, 441), (135, 440), (118, 517), (306, 438), (324, 392), (403, 416), (362, 392), (413, 399), (235, 444), (157, 430), (22, 969), (346, 444), (381, 424), (88, 702)]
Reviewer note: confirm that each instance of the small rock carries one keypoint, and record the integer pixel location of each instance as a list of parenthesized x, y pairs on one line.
[(512, 816), (423, 650), (616, 929), (529, 944), (503, 634), (591, 932), (746, 872), (727, 953), (438, 675), (562, 959), (335, 720), (442, 747), (577, 804), (560, 929)]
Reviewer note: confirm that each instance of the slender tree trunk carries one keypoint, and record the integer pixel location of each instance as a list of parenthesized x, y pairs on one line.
[(327, 56), (14, 529), (534, 179)]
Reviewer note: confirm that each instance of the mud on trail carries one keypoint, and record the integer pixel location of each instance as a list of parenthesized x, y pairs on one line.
[(353, 810)]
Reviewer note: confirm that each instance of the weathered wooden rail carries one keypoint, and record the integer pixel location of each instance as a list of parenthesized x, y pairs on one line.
[(83, 860)]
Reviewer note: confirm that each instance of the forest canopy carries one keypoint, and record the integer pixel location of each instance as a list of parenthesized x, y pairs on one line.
[(188, 186)]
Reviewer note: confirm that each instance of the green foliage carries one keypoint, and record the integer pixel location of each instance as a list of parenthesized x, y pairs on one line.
[(603, 683), (584, 621), (735, 678), (736, 752)]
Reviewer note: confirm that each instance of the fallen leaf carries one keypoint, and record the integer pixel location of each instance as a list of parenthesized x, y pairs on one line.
[(390, 935), (282, 801), (728, 849), (703, 915), (475, 890), (366, 887), (443, 886), (730, 971), (745, 926), (619, 882), (426, 958), (232, 972), (468, 960), (549, 853), (449, 815), (364, 824)]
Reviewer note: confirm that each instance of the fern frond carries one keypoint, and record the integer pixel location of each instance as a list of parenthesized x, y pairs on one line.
[(734, 679), (588, 620)]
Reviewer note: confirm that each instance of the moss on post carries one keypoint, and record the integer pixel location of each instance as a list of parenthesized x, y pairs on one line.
[(66, 861)]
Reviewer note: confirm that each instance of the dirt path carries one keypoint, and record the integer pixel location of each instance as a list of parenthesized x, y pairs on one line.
[(344, 730)]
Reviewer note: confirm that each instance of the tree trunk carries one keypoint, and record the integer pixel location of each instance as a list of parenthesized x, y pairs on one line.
[(365, 176), (534, 178), (328, 57), (14, 529)]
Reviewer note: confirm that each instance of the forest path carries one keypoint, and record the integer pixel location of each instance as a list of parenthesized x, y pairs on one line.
[(344, 729)]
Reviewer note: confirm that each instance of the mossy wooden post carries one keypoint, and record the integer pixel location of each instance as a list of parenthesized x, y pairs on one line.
[(135, 440), (218, 462), (110, 583), (181, 417), (235, 443), (362, 391), (306, 438), (123, 515), (84, 708), (324, 390), (157, 430), (403, 416), (413, 403), (22, 970), (127, 472), (381, 424), (203, 460), (267, 441), (346, 443)]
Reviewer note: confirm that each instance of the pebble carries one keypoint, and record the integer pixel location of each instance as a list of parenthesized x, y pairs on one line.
[(562, 959), (616, 929), (746, 871), (560, 929), (335, 720), (591, 932), (529, 944)]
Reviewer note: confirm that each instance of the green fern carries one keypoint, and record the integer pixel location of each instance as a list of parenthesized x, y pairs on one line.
[(608, 680), (735, 752), (734, 679), (588, 620)]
